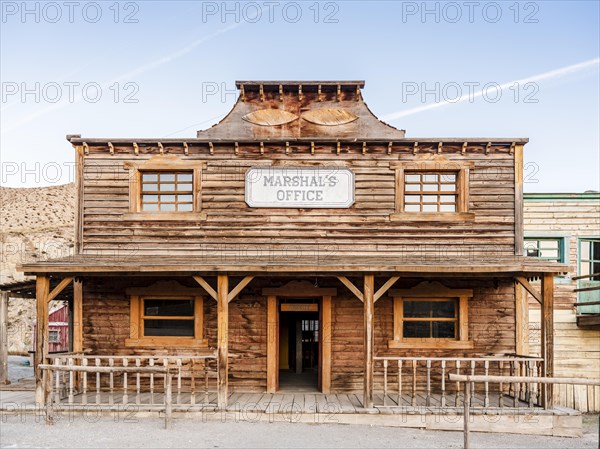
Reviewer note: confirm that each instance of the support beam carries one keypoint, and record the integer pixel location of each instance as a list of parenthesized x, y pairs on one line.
[(206, 286), (344, 280), (521, 321), (547, 321), (59, 288), (222, 340), (77, 315), (519, 234), (238, 288), (326, 345), (369, 310), (525, 283), (385, 287), (42, 292), (272, 336), (4, 338)]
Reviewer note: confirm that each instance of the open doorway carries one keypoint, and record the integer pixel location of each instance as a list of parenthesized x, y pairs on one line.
[(299, 345)]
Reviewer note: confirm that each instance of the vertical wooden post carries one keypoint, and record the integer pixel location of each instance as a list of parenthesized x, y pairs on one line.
[(369, 309), (521, 321), (326, 345), (298, 346), (4, 338), (42, 292), (79, 167), (547, 321), (466, 415), (222, 339), (272, 337), (519, 235), (77, 315)]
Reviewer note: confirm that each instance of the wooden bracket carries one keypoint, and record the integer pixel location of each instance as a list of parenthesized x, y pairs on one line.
[(261, 93), (525, 283), (111, 148), (242, 93), (357, 92), (339, 93), (161, 149), (262, 148), (280, 92), (211, 148), (236, 148), (439, 150), (287, 148), (512, 148), (136, 149), (338, 148), (385, 287), (344, 280), (86, 149), (206, 286), (463, 150), (60, 287), (319, 93), (364, 148), (312, 148), (186, 148), (390, 148), (487, 147), (238, 288), (416, 148), (300, 96)]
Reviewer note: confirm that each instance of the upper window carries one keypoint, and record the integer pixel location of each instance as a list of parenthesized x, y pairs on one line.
[(430, 192), (167, 191), (589, 258), (54, 336), (545, 248)]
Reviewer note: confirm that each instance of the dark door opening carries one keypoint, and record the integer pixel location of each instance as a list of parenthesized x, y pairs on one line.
[(299, 349)]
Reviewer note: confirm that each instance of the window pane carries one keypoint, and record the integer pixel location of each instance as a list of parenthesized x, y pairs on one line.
[(412, 208), (448, 187), (448, 208), (595, 249), (549, 253), (443, 309), (430, 187), (548, 244), (149, 207), (172, 328), (150, 198), (430, 178), (184, 187), (412, 178), (184, 177), (150, 187), (169, 177), (185, 207), (417, 309), (412, 187), (149, 177), (448, 177), (416, 329), (169, 307), (430, 198), (443, 329), (167, 187), (167, 207), (184, 198), (412, 198), (448, 199), (585, 250), (430, 207), (167, 198), (585, 269)]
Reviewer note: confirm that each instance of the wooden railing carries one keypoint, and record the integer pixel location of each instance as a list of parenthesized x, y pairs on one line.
[(77, 379), (423, 381)]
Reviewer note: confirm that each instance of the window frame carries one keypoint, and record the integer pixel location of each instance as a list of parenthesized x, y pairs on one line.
[(164, 164), (561, 246), (580, 260), (432, 291), (50, 333), (462, 171), (164, 291)]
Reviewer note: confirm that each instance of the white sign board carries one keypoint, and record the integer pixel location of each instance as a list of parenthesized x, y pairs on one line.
[(300, 187)]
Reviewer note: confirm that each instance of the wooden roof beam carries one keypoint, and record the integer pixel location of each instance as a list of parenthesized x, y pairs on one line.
[(385, 287), (206, 286), (238, 288), (525, 283), (60, 287), (344, 280)]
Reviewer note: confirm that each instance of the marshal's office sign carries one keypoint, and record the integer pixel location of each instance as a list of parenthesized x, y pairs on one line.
[(300, 187)]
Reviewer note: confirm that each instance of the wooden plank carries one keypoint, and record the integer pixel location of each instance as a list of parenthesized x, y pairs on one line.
[(41, 341), (77, 315), (222, 340), (59, 288), (4, 338), (351, 287), (206, 286), (521, 320), (79, 187), (519, 233), (369, 311), (272, 340), (548, 335), (326, 344)]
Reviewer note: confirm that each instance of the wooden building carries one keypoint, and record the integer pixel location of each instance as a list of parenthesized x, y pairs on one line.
[(565, 227), (301, 244)]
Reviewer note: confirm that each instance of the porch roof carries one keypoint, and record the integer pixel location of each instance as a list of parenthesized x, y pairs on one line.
[(318, 264)]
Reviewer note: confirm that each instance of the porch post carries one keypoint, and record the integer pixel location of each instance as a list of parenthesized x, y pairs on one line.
[(369, 308), (547, 321), (521, 320), (222, 339), (42, 291), (77, 315), (272, 336), (4, 338)]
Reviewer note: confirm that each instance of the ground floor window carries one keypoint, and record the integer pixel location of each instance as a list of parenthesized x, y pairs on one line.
[(548, 248)]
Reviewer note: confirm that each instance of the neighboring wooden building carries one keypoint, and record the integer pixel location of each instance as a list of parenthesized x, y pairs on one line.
[(302, 245), (565, 227), (58, 330)]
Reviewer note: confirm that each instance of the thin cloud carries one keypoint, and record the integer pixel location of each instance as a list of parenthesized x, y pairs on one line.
[(557, 73), (125, 76)]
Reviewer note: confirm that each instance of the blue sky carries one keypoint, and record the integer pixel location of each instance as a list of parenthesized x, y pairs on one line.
[(165, 56)]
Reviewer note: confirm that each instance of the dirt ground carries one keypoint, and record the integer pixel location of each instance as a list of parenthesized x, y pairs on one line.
[(26, 432)]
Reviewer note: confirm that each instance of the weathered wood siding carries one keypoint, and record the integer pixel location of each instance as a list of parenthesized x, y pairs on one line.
[(576, 350), (234, 230)]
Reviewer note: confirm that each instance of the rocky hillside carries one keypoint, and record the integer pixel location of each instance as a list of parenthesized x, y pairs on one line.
[(35, 224)]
